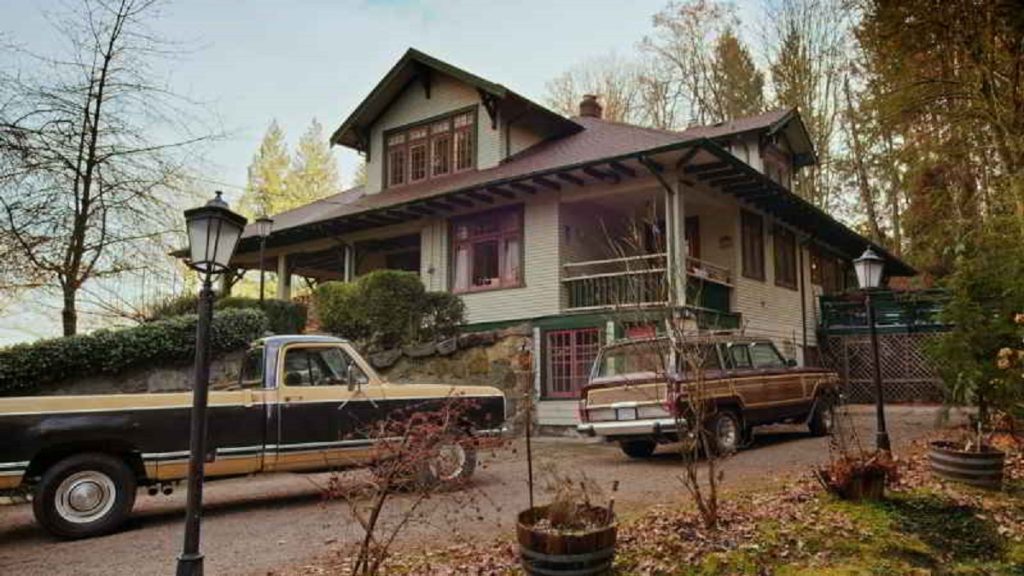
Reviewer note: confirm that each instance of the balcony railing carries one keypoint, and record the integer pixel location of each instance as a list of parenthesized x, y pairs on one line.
[(629, 282)]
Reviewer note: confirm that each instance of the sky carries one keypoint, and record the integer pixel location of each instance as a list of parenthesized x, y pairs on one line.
[(249, 62)]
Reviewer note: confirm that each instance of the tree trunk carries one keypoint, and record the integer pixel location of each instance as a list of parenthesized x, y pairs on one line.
[(69, 314)]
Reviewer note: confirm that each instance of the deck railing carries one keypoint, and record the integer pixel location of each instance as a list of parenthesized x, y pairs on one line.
[(630, 281)]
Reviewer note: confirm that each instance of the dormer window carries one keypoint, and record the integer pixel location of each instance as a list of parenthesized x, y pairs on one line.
[(438, 147)]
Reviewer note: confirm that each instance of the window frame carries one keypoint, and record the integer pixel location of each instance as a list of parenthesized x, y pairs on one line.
[(571, 361), (428, 142), (500, 236), (747, 220), (785, 239)]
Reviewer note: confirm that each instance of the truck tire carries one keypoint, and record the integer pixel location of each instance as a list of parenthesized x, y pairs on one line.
[(84, 495), (638, 448), (725, 433), (822, 420), (453, 464)]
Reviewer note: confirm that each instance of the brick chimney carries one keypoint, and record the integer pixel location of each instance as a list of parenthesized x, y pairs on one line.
[(589, 106)]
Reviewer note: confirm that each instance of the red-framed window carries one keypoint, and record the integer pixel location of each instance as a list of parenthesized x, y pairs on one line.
[(487, 250), (570, 355), (430, 149)]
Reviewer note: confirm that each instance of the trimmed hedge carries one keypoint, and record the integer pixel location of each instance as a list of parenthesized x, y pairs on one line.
[(26, 367), (386, 309), (283, 316)]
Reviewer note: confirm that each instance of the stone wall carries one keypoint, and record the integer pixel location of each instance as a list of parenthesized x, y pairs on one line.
[(488, 359), (223, 373)]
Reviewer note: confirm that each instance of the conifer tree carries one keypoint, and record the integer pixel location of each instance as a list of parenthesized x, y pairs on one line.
[(265, 192), (314, 172)]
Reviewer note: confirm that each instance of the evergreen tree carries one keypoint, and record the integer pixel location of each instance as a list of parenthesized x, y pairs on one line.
[(738, 84), (314, 172), (265, 192)]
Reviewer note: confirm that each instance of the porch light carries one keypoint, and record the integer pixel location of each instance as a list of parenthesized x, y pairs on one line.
[(869, 269), (264, 225), (213, 233)]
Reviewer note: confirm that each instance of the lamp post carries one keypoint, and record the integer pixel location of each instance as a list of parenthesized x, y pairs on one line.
[(264, 225), (213, 233), (869, 268)]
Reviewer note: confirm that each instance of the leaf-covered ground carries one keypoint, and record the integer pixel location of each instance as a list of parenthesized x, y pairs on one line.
[(923, 527)]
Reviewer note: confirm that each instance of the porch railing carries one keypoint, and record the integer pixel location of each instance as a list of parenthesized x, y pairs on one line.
[(630, 281)]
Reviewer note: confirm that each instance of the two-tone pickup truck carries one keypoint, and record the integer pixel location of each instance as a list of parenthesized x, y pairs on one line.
[(639, 391), (301, 403)]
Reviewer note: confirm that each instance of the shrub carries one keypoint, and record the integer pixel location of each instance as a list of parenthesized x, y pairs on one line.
[(283, 316), (27, 367), (386, 309), (336, 307)]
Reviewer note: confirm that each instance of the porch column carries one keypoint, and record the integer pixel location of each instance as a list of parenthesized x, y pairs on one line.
[(284, 278), (675, 242), (349, 272)]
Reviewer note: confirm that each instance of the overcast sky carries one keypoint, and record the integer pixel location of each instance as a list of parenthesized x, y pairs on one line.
[(252, 61)]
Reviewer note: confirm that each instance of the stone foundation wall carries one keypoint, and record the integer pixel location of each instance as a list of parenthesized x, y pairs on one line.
[(223, 373)]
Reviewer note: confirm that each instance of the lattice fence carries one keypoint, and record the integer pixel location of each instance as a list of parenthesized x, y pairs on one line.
[(908, 375)]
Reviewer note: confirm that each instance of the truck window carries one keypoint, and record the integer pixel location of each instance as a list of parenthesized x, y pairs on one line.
[(704, 354), (251, 374), (319, 367), (740, 355), (764, 355)]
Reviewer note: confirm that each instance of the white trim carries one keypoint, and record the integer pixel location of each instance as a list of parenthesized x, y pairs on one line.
[(14, 465)]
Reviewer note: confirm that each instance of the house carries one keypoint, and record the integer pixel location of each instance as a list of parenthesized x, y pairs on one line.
[(487, 194)]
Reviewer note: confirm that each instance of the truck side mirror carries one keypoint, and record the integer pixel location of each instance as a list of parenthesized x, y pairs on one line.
[(791, 362)]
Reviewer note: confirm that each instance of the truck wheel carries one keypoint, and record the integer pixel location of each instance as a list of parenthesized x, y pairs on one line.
[(453, 463), (724, 433), (822, 420), (84, 495), (638, 448)]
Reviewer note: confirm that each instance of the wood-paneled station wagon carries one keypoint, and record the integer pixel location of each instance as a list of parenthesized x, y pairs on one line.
[(302, 403), (636, 394)]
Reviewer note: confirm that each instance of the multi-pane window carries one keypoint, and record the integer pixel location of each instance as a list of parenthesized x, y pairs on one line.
[(570, 354), (438, 148), (752, 236), (396, 159), (487, 250), (417, 154), (785, 258)]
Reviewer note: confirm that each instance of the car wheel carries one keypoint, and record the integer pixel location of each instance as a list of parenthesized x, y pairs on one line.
[(822, 421), (724, 433), (638, 448), (85, 495)]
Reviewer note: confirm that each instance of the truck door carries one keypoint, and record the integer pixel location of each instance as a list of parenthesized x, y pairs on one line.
[(782, 387)]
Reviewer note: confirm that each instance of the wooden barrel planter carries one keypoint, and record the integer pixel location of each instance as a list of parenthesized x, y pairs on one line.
[(982, 468), (866, 484), (552, 553)]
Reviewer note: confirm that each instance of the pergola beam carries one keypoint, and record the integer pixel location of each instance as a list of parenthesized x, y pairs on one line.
[(571, 178)]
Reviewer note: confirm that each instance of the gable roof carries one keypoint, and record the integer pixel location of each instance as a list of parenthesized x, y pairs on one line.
[(786, 121), (417, 66)]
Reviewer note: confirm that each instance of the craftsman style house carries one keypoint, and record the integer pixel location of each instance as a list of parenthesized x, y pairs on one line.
[(527, 213)]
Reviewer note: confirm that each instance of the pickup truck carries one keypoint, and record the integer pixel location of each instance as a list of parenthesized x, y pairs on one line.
[(301, 403), (637, 394)]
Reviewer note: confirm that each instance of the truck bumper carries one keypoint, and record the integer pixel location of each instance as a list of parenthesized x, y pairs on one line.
[(612, 429)]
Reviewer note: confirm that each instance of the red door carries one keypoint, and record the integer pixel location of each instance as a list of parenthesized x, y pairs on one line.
[(570, 354)]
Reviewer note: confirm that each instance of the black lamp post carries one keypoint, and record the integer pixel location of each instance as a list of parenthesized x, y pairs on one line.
[(264, 225), (213, 233), (869, 268)]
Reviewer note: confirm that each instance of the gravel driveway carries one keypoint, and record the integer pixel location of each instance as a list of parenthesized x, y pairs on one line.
[(254, 525)]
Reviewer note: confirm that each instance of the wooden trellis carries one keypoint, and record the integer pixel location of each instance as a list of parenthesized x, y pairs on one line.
[(908, 374)]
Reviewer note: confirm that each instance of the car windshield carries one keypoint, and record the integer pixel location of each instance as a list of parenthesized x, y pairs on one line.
[(764, 355), (632, 358)]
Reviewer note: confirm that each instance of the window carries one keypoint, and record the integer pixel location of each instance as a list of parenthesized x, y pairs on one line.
[(740, 355), (752, 233), (486, 250), (704, 355), (251, 375), (396, 160), (650, 356), (826, 271), (570, 354), (764, 355), (785, 258), (436, 148), (320, 367)]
